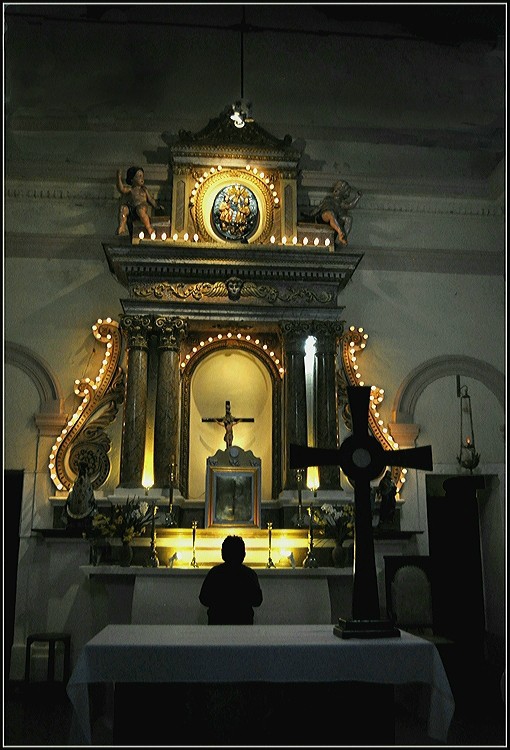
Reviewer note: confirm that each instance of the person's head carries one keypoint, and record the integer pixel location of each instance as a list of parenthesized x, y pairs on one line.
[(233, 549), (132, 172)]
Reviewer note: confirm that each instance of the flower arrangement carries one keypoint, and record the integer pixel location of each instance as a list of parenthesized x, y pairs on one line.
[(337, 522), (124, 521)]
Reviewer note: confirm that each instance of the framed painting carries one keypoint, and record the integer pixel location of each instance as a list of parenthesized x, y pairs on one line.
[(233, 496)]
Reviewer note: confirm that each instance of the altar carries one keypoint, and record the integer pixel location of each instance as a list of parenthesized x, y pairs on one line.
[(169, 596), (306, 656)]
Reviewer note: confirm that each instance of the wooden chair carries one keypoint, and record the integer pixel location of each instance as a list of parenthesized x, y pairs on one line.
[(409, 596)]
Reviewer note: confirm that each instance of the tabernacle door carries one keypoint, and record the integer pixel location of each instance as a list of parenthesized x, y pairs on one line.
[(233, 488)]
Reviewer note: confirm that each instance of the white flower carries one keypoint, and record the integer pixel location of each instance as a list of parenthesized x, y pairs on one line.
[(143, 507)]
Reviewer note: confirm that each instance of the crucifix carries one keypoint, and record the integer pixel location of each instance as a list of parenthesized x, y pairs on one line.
[(362, 459), (228, 422)]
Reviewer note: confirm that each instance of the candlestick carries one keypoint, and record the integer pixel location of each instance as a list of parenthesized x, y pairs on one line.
[(300, 522), (169, 517), (153, 561), (194, 525), (270, 563), (310, 560)]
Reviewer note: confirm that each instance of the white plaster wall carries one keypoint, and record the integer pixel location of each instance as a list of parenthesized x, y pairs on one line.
[(413, 317)]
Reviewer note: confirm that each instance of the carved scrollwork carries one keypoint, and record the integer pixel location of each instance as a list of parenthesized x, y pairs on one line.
[(83, 440), (234, 288)]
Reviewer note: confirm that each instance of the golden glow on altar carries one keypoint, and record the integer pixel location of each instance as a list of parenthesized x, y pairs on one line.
[(175, 546)]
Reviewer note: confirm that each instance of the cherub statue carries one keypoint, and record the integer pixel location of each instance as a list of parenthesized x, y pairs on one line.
[(333, 209), (135, 200)]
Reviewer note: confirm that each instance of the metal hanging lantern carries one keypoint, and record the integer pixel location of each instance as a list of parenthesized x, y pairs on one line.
[(468, 458)]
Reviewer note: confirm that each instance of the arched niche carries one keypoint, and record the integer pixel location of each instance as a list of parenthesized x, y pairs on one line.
[(243, 375)]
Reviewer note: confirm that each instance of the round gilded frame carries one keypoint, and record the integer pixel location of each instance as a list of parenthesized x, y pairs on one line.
[(202, 208), (235, 213)]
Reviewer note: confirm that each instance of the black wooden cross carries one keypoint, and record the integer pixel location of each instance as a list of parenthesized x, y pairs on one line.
[(362, 458), (228, 422)]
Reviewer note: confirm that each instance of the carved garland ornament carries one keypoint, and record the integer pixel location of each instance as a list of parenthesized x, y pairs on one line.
[(83, 440), (233, 288)]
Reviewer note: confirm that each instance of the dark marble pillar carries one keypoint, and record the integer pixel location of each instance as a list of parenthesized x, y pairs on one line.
[(325, 397), (169, 332), (294, 339), (136, 329)]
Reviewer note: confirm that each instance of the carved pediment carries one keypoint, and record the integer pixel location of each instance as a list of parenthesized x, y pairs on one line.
[(221, 133)]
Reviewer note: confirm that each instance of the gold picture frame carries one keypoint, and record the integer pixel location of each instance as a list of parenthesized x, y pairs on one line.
[(233, 496)]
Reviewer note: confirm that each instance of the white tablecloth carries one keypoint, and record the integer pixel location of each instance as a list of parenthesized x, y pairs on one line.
[(265, 653)]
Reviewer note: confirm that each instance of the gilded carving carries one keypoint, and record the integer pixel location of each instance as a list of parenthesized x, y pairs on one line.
[(220, 131), (233, 205), (170, 332), (234, 288), (84, 441), (307, 295), (136, 328)]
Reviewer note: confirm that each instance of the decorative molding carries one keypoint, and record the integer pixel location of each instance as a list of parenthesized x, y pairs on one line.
[(421, 204), (273, 274), (404, 434), (482, 262), (413, 386), (475, 202), (221, 133), (48, 387), (424, 185), (234, 289)]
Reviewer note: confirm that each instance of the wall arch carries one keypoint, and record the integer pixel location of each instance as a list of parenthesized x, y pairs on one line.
[(46, 383), (413, 386)]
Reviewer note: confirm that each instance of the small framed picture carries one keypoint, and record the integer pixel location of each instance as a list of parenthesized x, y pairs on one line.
[(233, 496)]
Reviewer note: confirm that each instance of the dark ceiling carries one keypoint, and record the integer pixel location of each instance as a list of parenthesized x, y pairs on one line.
[(450, 24), (447, 24)]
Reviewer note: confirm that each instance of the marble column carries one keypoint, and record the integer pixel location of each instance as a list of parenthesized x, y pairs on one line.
[(169, 332), (325, 397), (294, 338), (136, 329)]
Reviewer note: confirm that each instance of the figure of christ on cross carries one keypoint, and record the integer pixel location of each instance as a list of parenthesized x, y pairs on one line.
[(228, 422)]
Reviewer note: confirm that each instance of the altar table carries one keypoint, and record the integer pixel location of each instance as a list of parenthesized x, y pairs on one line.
[(258, 653)]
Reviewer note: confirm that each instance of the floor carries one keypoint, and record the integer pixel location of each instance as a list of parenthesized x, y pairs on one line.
[(41, 716)]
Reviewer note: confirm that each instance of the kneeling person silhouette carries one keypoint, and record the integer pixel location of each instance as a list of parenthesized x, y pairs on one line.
[(231, 589)]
